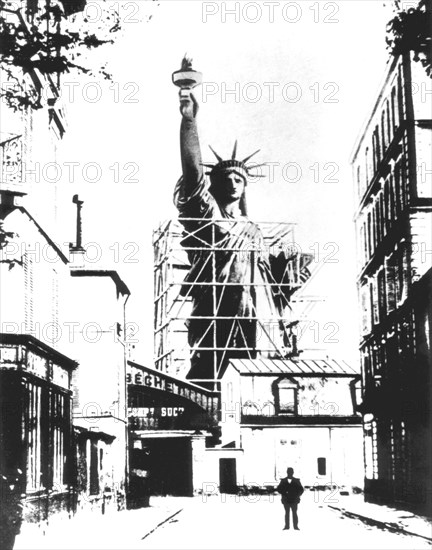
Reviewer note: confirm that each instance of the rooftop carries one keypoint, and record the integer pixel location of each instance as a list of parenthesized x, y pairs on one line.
[(294, 366)]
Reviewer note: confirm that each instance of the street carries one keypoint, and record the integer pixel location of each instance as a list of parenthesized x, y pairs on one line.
[(227, 521), (219, 521)]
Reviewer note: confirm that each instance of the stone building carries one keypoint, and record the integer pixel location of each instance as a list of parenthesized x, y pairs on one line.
[(63, 372), (295, 412), (62, 350), (392, 175)]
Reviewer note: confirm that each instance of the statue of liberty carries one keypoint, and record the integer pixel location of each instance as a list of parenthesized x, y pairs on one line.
[(231, 276)]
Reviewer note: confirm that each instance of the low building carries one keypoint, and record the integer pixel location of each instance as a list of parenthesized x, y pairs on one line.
[(99, 386), (63, 374), (171, 422), (36, 375), (269, 414), (37, 456), (292, 412)]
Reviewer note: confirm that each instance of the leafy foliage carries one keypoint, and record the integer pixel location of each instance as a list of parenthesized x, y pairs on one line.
[(51, 43), (411, 30)]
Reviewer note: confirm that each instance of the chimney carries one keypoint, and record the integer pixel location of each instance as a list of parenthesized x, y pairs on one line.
[(76, 250)]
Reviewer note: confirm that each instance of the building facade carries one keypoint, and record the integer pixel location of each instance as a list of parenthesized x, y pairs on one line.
[(63, 367), (293, 412), (172, 422), (63, 371), (394, 229)]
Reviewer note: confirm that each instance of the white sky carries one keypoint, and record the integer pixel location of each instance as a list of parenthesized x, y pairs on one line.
[(346, 57)]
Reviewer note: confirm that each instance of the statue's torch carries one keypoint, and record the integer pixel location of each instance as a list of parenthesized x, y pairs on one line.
[(186, 78)]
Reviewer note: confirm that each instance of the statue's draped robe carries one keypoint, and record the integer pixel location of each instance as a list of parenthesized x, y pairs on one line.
[(230, 252)]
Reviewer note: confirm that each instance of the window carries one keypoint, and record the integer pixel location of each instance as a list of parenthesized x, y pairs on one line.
[(398, 191), (366, 309), (370, 239), (322, 466), (374, 225), (250, 408), (367, 373), (362, 246), (400, 100), (376, 361), (392, 202), (382, 294), (359, 182), (33, 420), (402, 270), (358, 395), (387, 120), (383, 133), (376, 149), (394, 110), (374, 301), (371, 449), (287, 397), (60, 423), (369, 166), (387, 206), (404, 184), (94, 470), (378, 221), (369, 236), (391, 283), (383, 215)]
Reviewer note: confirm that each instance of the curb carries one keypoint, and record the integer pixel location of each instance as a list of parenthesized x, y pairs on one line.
[(395, 527)]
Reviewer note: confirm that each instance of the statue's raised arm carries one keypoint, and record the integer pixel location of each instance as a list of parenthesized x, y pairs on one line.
[(187, 79), (189, 141)]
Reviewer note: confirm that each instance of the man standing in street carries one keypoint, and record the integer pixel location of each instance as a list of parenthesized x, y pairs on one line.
[(291, 489)]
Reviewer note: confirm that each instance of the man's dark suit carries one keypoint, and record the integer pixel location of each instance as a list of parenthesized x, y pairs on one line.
[(291, 492)]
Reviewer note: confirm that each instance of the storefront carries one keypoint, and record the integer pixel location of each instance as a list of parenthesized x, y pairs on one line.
[(36, 427), (171, 422)]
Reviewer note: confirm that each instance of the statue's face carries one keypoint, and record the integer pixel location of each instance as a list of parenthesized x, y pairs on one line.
[(231, 186)]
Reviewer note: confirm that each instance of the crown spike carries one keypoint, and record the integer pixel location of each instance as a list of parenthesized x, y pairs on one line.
[(215, 154), (207, 165), (250, 156), (252, 166), (233, 156)]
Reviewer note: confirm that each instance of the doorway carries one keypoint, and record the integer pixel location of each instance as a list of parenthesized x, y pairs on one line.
[(170, 466), (227, 475)]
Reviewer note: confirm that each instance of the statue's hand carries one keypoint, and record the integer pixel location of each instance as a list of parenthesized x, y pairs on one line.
[(188, 104)]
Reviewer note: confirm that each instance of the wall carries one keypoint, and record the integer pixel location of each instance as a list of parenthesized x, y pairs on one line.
[(35, 281), (99, 382), (322, 395), (210, 468), (269, 451)]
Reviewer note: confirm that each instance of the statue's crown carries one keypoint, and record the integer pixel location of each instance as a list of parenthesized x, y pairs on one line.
[(239, 166)]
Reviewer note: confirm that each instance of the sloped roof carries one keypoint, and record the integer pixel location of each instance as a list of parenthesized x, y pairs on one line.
[(302, 367)]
